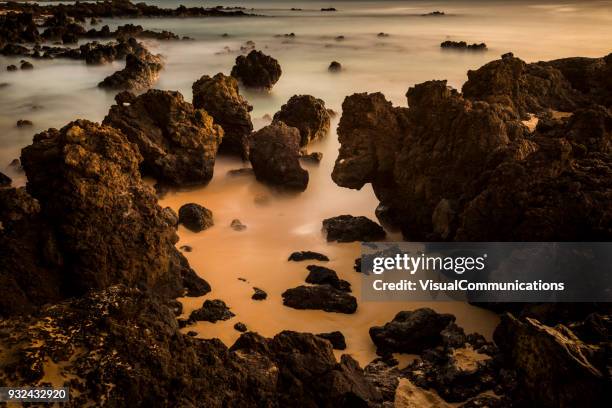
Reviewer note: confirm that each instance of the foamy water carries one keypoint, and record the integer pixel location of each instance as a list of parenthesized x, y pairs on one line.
[(56, 92)]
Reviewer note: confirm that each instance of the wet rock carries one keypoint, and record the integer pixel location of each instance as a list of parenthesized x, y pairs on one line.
[(257, 70), (462, 45), (192, 333), (336, 338), (554, 368), (25, 65), (21, 123), (236, 225), (320, 297), (179, 143), (307, 255), (334, 66), (274, 155), (140, 72), (220, 97), (308, 115), (434, 13), (320, 275), (384, 374), (382, 35), (346, 228), (241, 327), (195, 217), (11, 67), (259, 294), (5, 180), (108, 227), (314, 157), (410, 332), (212, 311)]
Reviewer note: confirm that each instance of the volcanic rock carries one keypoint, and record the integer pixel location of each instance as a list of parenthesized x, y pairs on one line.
[(195, 217), (257, 70), (308, 115), (334, 66), (346, 228), (320, 297), (140, 72), (320, 275), (336, 338), (212, 311), (307, 255), (24, 123), (259, 294), (241, 327)]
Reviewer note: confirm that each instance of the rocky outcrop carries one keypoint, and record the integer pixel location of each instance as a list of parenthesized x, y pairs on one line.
[(320, 297), (320, 275), (212, 311), (462, 45), (220, 97), (178, 143), (140, 72), (274, 155), (195, 217), (308, 115), (346, 228), (307, 255), (336, 339), (107, 227), (257, 70)]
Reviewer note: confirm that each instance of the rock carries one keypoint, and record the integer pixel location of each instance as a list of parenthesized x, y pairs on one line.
[(26, 65), (186, 248), (195, 217), (346, 228), (329, 9), (340, 38), (140, 72), (336, 339), (382, 35), (212, 311), (320, 297), (257, 70), (384, 374), (554, 368), (241, 327), (334, 66), (220, 97), (259, 294), (179, 143), (462, 45), (308, 115), (410, 332), (314, 157), (24, 123), (11, 67), (320, 275), (236, 225), (274, 155), (306, 256), (107, 226), (192, 333), (124, 98), (434, 13)]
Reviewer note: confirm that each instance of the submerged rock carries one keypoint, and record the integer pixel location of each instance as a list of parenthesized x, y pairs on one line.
[(212, 311), (220, 97), (257, 70), (179, 143), (320, 275), (307, 255), (320, 297), (236, 225), (346, 228), (275, 152), (308, 115), (336, 339), (195, 217)]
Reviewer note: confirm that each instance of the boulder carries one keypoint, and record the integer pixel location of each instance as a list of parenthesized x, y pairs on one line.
[(336, 339), (11, 67), (320, 297), (275, 152), (220, 97), (241, 327), (410, 332), (307, 255), (195, 217), (308, 115), (334, 66), (140, 72), (257, 70), (346, 228), (178, 143), (259, 294), (212, 311), (320, 275)]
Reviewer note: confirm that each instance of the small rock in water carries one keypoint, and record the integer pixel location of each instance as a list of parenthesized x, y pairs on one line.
[(320, 297), (320, 275), (382, 35), (11, 68), (186, 248), (242, 279), (329, 9), (334, 66), (241, 327), (307, 256), (195, 217), (247, 171), (236, 225), (336, 338), (257, 70), (462, 45), (192, 333), (259, 294), (346, 228), (314, 157), (24, 123), (434, 13), (26, 65), (212, 311), (340, 38)]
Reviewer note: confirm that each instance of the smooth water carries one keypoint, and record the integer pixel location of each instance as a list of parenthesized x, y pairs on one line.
[(59, 91)]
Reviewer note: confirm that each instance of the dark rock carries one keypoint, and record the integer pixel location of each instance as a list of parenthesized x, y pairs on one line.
[(329, 9), (124, 98), (382, 35), (179, 143), (140, 72), (259, 294), (236, 225), (340, 38), (241, 327), (308, 115), (357, 264), (257, 70), (462, 45), (314, 157), (334, 66), (24, 123), (275, 151), (11, 67), (384, 374), (26, 65), (346, 228), (195, 217), (410, 332), (336, 338), (320, 297), (220, 97), (186, 248), (212, 311), (192, 333), (320, 275), (434, 13), (307, 255), (5, 180)]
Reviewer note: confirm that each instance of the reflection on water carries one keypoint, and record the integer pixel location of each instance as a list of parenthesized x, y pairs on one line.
[(56, 92)]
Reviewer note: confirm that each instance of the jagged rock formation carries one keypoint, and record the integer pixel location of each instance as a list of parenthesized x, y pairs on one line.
[(308, 115), (220, 97), (257, 70), (140, 72), (347, 228), (178, 143)]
